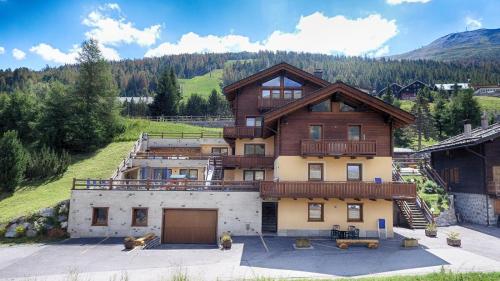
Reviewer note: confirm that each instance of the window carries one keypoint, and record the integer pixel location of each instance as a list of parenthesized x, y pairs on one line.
[(289, 83), (191, 174), (354, 172), (276, 94), (266, 94), (316, 132), (324, 106), (275, 82), (161, 173), (100, 216), (254, 121), (219, 150), (297, 94), (253, 175), (346, 108), (354, 133), (287, 94), (355, 212), (315, 212), (139, 216), (254, 149), (315, 172)]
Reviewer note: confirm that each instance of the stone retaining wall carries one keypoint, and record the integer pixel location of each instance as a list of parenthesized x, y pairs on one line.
[(473, 208)]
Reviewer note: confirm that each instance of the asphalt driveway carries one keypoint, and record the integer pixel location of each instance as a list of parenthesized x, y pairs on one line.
[(104, 259)]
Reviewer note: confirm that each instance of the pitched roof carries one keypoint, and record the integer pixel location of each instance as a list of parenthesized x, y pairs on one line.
[(274, 70), (401, 116), (414, 82), (477, 136), (391, 85)]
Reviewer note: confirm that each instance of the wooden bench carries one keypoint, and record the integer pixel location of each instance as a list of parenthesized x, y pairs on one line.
[(345, 243)]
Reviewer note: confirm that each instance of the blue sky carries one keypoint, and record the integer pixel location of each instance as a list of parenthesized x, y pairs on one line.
[(39, 33)]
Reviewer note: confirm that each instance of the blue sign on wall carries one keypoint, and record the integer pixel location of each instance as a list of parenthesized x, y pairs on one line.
[(381, 223)]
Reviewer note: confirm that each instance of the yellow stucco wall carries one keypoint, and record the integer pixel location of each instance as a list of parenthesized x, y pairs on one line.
[(292, 215), (295, 168), (239, 146)]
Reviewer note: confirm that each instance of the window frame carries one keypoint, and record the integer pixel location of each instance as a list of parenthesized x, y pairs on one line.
[(360, 131), (255, 119), (188, 174), (220, 148), (322, 218), (134, 217), (321, 131), (254, 145), (360, 171), (253, 171), (278, 92), (360, 212), (309, 171), (318, 103), (94, 216)]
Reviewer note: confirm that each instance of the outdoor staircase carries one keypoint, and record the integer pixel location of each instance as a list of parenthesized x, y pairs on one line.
[(216, 163), (412, 214), (433, 175)]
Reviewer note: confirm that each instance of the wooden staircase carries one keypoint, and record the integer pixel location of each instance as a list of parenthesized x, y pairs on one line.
[(412, 214), (216, 162)]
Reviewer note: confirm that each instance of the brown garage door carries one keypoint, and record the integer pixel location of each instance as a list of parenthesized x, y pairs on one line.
[(189, 226)]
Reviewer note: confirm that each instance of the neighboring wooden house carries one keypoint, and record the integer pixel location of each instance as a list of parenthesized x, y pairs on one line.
[(469, 163), (487, 90), (409, 92), (395, 88), (322, 151)]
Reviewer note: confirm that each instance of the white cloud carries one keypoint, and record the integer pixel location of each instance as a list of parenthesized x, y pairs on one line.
[(50, 53), (314, 33), (472, 23), (18, 54), (2, 50), (116, 30), (397, 2)]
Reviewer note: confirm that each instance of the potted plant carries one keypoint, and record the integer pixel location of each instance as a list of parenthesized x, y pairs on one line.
[(302, 243), (129, 242), (226, 241), (453, 239), (410, 242), (431, 230)]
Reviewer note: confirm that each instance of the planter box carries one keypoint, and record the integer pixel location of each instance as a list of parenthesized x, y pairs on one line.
[(226, 245), (431, 233), (454, 242), (409, 243)]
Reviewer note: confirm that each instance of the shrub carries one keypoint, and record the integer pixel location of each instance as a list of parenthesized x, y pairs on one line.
[(12, 161), (46, 163), (2, 231), (20, 231), (453, 235), (302, 243), (430, 187), (40, 225)]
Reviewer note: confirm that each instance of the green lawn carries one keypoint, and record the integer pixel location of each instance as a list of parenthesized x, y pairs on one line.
[(441, 276), (202, 85), (134, 127), (486, 103), (29, 199)]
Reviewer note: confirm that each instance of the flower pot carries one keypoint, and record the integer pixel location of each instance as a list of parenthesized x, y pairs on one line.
[(408, 243), (129, 244), (454, 242), (431, 233), (226, 245)]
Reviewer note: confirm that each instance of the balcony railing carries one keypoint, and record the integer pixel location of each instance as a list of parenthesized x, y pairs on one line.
[(494, 188), (243, 161), (242, 132), (269, 103), (338, 147), (389, 190)]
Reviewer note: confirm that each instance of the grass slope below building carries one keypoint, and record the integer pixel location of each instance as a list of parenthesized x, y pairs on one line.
[(201, 85), (489, 104)]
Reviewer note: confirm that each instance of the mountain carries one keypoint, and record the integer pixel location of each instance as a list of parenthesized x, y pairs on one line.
[(476, 44)]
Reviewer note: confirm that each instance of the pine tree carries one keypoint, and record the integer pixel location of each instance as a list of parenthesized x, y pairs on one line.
[(167, 98), (440, 116), (462, 107), (388, 96), (196, 105), (423, 118), (13, 160), (214, 101)]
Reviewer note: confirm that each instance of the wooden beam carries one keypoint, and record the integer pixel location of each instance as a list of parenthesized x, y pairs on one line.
[(324, 198), (357, 199)]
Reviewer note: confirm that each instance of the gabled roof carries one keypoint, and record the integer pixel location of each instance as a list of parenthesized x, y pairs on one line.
[(477, 136), (400, 116), (399, 87), (414, 82), (272, 71)]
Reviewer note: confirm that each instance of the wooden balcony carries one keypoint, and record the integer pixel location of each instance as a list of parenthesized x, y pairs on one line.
[(368, 190), (265, 104), (338, 148), (494, 188), (238, 132), (243, 161)]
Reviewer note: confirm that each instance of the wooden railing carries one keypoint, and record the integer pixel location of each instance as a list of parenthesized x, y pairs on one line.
[(494, 188), (271, 103), (164, 185), (406, 210), (425, 208), (242, 132), (338, 147), (244, 161), (183, 135), (433, 175), (169, 155), (389, 190)]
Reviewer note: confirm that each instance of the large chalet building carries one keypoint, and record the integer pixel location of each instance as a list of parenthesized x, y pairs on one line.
[(303, 156)]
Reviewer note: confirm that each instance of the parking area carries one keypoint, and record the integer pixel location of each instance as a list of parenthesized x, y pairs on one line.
[(105, 259)]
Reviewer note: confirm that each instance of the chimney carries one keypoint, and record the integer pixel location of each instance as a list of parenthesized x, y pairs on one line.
[(484, 121), (318, 72), (467, 129)]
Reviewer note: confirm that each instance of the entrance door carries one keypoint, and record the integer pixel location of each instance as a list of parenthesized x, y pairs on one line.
[(269, 217), (189, 226)]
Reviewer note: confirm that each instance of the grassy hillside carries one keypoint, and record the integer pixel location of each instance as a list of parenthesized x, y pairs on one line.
[(486, 103), (202, 85)]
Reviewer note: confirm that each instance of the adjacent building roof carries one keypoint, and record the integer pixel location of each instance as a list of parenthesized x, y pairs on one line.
[(229, 89), (403, 150), (450, 86), (400, 116), (477, 136)]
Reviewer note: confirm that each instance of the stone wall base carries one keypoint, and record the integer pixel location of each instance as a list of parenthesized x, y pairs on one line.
[(475, 208)]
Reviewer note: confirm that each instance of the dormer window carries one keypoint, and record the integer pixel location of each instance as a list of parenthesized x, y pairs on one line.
[(281, 87)]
